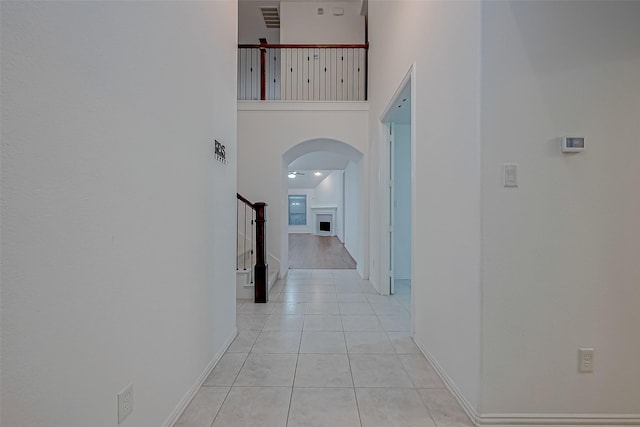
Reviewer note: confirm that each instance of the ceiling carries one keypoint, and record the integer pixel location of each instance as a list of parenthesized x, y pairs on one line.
[(401, 112), (318, 161), (251, 26)]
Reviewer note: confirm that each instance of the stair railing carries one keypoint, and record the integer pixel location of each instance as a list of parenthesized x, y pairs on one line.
[(251, 229)]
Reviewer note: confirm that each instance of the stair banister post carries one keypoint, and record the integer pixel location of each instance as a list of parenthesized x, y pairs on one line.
[(263, 66), (261, 268)]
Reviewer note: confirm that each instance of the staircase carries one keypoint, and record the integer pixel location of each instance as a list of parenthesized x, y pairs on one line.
[(253, 279), (244, 275)]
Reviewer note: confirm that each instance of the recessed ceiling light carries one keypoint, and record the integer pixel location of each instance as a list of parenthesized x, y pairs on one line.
[(291, 175), (318, 173)]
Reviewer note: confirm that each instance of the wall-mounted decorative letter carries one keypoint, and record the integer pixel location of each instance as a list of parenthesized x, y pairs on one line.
[(220, 153)]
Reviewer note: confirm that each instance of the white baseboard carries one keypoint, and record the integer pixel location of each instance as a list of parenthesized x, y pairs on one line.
[(451, 386), (184, 402), (557, 420), (529, 420)]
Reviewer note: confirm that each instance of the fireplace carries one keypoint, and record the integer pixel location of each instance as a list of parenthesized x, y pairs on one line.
[(324, 220)]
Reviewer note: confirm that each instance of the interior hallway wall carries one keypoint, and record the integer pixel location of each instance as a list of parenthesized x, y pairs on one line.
[(117, 255), (560, 252), (442, 39), (354, 212), (301, 23)]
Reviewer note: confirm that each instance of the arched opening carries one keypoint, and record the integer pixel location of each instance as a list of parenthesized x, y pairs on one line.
[(327, 178)]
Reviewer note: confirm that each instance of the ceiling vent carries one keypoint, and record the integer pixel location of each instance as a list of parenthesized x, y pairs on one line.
[(271, 16)]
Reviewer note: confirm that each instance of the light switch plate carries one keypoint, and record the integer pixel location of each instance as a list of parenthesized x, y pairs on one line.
[(510, 174)]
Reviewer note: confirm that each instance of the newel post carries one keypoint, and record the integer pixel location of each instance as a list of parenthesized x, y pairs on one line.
[(261, 269), (263, 66)]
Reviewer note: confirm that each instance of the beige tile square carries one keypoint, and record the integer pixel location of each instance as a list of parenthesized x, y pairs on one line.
[(351, 297), (368, 343), (250, 307), (267, 370), (360, 322), (322, 322), (420, 371), (355, 308), (321, 297), (403, 343), (395, 323), (284, 322), (322, 308), (293, 308), (277, 342), (323, 370), (250, 322), (323, 342), (384, 407), (323, 407), (243, 342), (255, 406), (226, 370), (444, 408), (203, 407), (386, 309), (348, 288), (378, 370)]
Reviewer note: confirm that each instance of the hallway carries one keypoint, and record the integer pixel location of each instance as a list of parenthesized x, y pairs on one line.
[(326, 351), (321, 252)]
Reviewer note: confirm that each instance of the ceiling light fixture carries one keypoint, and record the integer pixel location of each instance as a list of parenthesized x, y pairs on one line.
[(318, 173), (291, 175)]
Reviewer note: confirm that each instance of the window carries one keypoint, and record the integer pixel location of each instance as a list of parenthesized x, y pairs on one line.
[(297, 210)]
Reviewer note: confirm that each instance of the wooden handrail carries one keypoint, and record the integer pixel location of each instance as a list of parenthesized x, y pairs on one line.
[(261, 269), (240, 197), (304, 46)]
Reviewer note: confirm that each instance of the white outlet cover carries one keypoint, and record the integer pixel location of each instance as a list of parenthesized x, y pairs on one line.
[(585, 359), (125, 403)]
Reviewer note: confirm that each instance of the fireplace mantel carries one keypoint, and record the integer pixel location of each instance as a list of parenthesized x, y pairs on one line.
[(323, 213)]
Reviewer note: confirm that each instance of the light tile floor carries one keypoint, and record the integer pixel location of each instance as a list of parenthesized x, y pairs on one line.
[(326, 351)]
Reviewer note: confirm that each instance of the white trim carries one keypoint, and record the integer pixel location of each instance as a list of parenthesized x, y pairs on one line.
[(408, 77), (529, 420), (303, 106), (448, 382), (184, 402), (557, 420)]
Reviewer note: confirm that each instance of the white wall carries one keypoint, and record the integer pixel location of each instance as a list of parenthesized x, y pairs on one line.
[(117, 257), (330, 193), (442, 39), (266, 131), (560, 251), (300, 23), (354, 212), (402, 201)]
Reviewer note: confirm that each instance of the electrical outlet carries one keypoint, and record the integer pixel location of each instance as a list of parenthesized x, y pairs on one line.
[(125, 403), (585, 359)]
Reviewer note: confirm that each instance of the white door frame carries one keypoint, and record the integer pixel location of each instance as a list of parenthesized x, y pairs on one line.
[(386, 171)]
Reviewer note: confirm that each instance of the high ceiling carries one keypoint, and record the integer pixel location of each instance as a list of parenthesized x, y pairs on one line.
[(319, 161)]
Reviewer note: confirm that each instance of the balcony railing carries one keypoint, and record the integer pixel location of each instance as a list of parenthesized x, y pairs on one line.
[(302, 72)]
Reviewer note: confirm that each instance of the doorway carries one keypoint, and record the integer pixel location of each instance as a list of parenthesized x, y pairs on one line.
[(399, 164)]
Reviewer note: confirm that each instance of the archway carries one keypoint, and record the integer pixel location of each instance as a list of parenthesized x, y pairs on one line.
[(354, 214)]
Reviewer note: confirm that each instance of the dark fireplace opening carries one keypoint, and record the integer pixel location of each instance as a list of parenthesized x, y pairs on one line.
[(325, 226)]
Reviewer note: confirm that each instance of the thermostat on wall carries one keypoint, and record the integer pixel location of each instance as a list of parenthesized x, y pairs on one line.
[(572, 144)]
